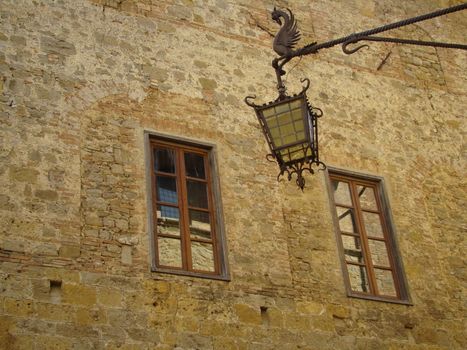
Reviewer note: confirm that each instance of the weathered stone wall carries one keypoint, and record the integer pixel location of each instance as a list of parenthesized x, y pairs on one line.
[(81, 81)]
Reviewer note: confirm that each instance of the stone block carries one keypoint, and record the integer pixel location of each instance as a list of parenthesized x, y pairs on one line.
[(208, 84), (28, 175), (121, 224), (53, 312), (247, 314), (13, 245), (338, 311), (312, 308), (46, 249), (70, 251), (94, 316), (18, 307), (296, 322), (41, 289), (126, 258), (57, 46), (78, 294), (47, 195), (93, 219), (109, 297)]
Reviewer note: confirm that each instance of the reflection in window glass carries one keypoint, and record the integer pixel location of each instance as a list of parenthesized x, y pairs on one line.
[(168, 220), (367, 198), (164, 160), (194, 165), (358, 278), (166, 189), (372, 223), (379, 252), (352, 248), (346, 220), (200, 226), (341, 193), (169, 252), (197, 194), (203, 256), (385, 282)]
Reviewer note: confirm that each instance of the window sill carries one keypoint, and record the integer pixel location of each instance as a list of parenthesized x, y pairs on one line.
[(380, 299), (191, 274)]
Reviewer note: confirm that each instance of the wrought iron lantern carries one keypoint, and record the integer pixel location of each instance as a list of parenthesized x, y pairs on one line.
[(290, 123), (290, 126)]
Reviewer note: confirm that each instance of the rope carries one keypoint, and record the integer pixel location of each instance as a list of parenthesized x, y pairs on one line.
[(352, 38)]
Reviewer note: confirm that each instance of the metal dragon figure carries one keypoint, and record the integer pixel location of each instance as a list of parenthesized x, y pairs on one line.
[(286, 38), (284, 42)]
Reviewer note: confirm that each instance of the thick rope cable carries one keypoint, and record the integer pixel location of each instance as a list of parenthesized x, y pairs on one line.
[(365, 35)]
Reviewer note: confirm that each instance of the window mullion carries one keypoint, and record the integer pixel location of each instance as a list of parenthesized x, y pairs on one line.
[(185, 227), (212, 217), (364, 238), (154, 208)]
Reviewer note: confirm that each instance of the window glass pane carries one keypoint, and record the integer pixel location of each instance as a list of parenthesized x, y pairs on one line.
[(282, 108), (352, 248), (346, 220), (341, 193), (168, 220), (276, 137), (367, 197), (200, 226), (203, 257), (297, 115), (295, 152), (284, 119), (194, 165), (372, 224), (272, 122), (166, 189), (288, 132), (164, 160), (299, 127), (290, 138), (197, 194), (169, 252), (268, 112), (379, 253), (358, 278), (296, 104), (385, 282)]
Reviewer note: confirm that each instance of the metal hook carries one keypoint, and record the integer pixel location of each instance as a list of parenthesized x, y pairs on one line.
[(251, 104), (352, 41), (307, 81)]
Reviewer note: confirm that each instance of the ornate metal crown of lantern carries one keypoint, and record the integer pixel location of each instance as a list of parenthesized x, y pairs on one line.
[(290, 123)]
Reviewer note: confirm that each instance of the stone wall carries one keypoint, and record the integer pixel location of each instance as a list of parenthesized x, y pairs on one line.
[(80, 83)]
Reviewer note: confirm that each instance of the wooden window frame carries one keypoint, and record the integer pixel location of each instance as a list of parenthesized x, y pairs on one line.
[(221, 271), (384, 212)]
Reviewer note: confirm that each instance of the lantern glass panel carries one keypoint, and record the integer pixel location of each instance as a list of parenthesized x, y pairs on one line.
[(282, 108), (285, 124), (268, 112), (295, 152)]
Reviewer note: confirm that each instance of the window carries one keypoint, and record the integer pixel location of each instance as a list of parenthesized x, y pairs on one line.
[(372, 268), (186, 220)]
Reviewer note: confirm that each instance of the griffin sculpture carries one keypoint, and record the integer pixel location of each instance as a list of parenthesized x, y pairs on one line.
[(286, 39)]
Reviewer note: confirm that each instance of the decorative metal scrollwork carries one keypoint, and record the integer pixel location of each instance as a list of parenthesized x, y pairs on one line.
[(298, 169)]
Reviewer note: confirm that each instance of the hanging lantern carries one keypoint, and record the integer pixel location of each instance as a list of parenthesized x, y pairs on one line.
[(290, 126)]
